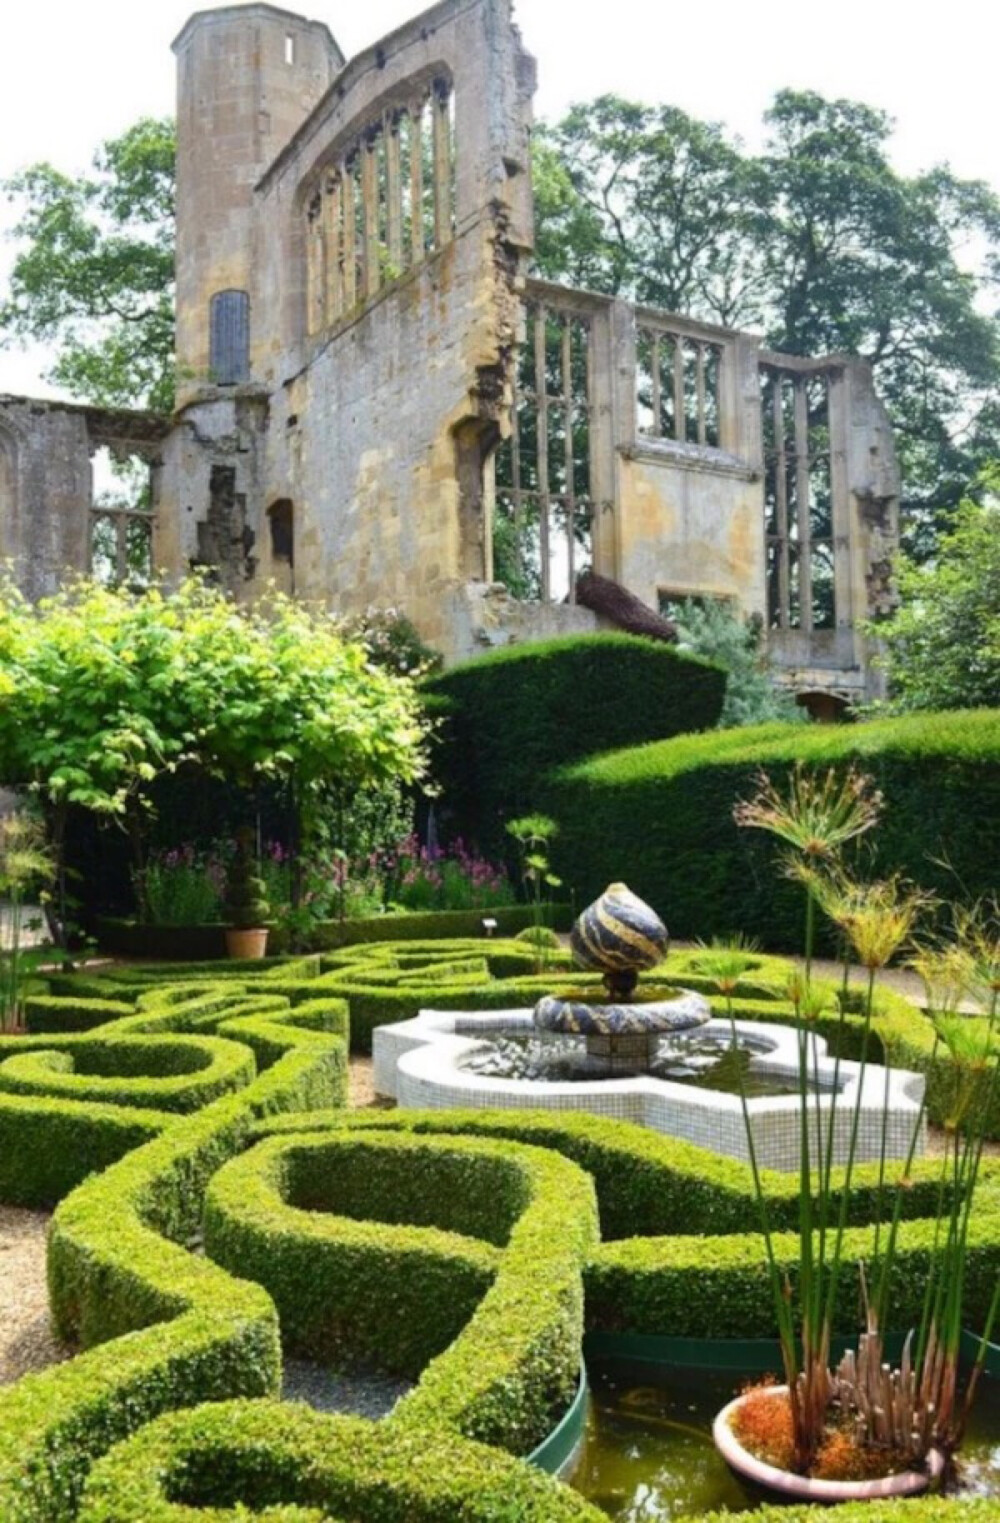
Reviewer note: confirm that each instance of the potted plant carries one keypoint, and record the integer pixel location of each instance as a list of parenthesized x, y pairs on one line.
[(246, 909), (862, 1427)]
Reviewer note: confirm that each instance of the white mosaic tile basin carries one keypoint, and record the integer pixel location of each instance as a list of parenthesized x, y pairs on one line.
[(418, 1064)]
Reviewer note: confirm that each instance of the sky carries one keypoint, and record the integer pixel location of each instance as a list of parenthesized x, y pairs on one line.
[(75, 72)]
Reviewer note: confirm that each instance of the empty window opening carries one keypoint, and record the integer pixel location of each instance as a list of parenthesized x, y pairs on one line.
[(289, 48), (229, 342), (678, 386), (798, 501), (385, 207), (121, 521), (542, 517), (281, 518)]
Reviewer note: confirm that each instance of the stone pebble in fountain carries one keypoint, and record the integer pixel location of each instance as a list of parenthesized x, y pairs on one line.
[(620, 937)]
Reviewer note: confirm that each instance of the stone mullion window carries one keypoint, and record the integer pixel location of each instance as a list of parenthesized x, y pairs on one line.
[(315, 295), (120, 547), (370, 213), (388, 205), (416, 136), (798, 493), (334, 246), (443, 170), (394, 193), (678, 385), (542, 506), (348, 185)]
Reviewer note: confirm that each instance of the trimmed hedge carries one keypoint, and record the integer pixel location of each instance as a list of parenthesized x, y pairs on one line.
[(262, 1454), (176, 1074), (513, 715), (386, 1248), (702, 1284), (661, 817), (116, 1267), (329, 1211), (52, 1012), (206, 943), (946, 1509)]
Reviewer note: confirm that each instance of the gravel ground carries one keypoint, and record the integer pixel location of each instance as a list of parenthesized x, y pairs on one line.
[(26, 1340), (372, 1396)]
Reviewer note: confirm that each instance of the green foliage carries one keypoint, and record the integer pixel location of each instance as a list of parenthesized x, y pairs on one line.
[(484, 1263), (266, 1453), (392, 641), (26, 865), (94, 276), (517, 713), (666, 811), (713, 630), (817, 240), (245, 906), (102, 690), (943, 642), (538, 936)]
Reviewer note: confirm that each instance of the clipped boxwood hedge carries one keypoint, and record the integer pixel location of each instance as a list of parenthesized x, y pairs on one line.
[(661, 817), (116, 1264), (206, 943), (262, 1455), (325, 1211), (465, 1266), (511, 716)]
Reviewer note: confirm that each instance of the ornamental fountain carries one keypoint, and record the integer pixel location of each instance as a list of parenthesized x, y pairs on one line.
[(662, 1061)]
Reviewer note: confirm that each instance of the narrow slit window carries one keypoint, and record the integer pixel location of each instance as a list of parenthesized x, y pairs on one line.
[(229, 342), (289, 48)]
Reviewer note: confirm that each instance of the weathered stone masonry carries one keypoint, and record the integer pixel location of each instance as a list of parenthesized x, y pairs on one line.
[(379, 406)]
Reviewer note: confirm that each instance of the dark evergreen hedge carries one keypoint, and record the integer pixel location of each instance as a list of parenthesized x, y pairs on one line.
[(661, 817), (512, 716)]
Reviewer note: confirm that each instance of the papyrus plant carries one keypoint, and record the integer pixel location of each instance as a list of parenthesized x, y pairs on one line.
[(816, 817)]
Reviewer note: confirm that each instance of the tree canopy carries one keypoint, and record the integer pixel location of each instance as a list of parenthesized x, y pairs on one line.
[(943, 644), (94, 275), (817, 241), (103, 690)]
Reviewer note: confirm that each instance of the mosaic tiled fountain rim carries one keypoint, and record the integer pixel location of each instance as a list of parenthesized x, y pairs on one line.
[(418, 1063)]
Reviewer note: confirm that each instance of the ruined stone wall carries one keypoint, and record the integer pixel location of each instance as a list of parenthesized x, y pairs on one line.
[(689, 515), (248, 76), (45, 492), (362, 437)]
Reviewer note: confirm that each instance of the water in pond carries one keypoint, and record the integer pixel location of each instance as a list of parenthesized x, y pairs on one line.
[(648, 1455), (701, 1058)]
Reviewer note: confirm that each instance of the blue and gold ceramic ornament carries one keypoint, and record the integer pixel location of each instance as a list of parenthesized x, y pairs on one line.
[(620, 937)]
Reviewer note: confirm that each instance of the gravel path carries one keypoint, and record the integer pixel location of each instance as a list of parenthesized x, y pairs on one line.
[(372, 1396), (26, 1339)]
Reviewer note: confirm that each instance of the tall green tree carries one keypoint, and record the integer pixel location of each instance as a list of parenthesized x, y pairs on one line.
[(102, 690), (818, 241), (94, 273), (943, 644)]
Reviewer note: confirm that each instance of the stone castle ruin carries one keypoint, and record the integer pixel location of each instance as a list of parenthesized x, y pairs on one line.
[(379, 405)]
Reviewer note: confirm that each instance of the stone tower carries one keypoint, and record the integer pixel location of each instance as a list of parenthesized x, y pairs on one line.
[(248, 76)]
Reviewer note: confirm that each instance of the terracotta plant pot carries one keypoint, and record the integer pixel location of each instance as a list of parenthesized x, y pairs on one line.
[(784, 1483), (245, 945)]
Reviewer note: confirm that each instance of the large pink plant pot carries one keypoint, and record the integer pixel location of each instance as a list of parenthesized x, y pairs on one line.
[(784, 1483)]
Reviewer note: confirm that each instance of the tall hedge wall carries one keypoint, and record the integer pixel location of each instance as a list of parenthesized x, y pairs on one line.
[(661, 817), (510, 717)]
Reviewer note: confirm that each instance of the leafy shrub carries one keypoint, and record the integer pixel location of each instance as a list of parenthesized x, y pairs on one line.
[(264, 1453), (714, 630), (515, 714), (661, 816)]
